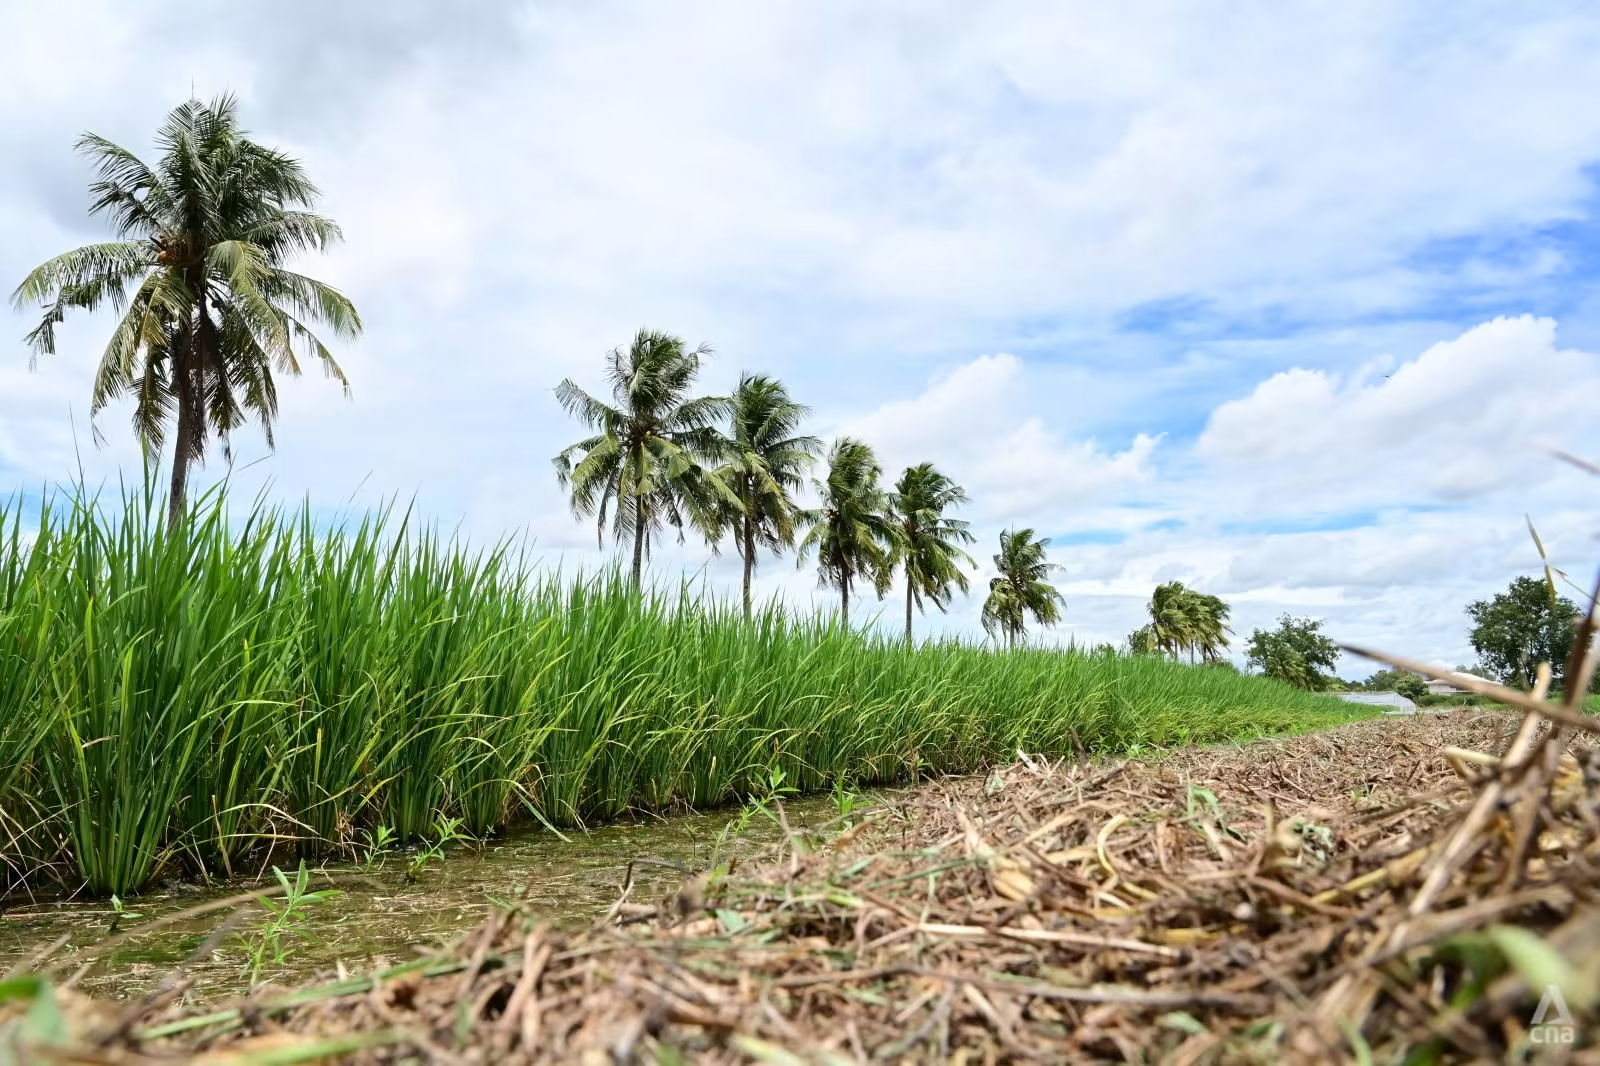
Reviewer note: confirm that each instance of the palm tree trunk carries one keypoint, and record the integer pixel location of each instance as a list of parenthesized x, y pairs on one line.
[(844, 600), (638, 542), (908, 610), (182, 453), (749, 561), (185, 357)]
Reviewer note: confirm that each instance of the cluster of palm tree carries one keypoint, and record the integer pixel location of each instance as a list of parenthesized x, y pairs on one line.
[(208, 307), (1183, 621), (729, 467)]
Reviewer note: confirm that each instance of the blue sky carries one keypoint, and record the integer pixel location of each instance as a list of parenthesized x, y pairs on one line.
[(1281, 299)]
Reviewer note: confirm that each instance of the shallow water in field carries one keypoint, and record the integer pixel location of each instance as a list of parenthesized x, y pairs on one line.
[(379, 918)]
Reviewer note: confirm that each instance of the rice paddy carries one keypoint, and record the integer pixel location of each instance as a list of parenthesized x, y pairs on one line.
[(193, 700)]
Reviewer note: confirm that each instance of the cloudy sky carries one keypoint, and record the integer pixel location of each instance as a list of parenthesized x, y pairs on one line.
[(1282, 299)]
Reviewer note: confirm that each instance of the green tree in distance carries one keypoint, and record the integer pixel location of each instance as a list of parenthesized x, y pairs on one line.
[(1021, 588), (1410, 686), (767, 458), (850, 530), (1142, 641), (645, 467), (208, 307), (928, 547), (1518, 629), (1296, 652)]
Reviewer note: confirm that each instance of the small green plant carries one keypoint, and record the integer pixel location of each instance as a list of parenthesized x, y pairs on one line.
[(776, 785), (286, 919), (447, 831), (1207, 798), (1208, 809), (119, 913), (376, 842), (846, 801), (1317, 840)]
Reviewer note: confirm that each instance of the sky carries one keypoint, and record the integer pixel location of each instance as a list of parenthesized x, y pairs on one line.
[(1285, 300)]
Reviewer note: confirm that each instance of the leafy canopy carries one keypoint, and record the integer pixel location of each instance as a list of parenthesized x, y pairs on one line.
[(1296, 652), (1408, 685), (1516, 630)]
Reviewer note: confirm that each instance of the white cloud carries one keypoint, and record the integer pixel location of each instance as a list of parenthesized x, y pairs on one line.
[(973, 424), (1467, 418)]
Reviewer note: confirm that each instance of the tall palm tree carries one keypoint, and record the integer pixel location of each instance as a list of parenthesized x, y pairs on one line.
[(850, 531), (1211, 632), (208, 308), (645, 468), (767, 458), (1187, 620), (1021, 588), (1173, 622), (928, 550)]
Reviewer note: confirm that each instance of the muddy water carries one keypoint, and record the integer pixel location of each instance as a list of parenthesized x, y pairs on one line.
[(379, 917)]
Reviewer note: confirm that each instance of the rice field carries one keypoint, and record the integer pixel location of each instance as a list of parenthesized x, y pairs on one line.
[(191, 702)]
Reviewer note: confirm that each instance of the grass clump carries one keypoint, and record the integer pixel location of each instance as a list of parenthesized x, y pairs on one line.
[(180, 700)]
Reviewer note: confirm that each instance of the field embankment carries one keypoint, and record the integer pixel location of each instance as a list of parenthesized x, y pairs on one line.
[(184, 701)]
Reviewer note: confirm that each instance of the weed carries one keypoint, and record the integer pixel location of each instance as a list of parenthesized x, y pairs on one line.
[(846, 802), (375, 844), (119, 914), (285, 922), (447, 831)]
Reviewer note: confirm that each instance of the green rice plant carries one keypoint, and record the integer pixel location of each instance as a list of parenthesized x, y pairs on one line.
[(200, 698)]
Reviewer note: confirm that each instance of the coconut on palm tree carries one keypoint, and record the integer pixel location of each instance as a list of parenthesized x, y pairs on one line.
[(644, 468), (209, 309), (767, 458), (1020, 589), (928, 549), (850, 530)]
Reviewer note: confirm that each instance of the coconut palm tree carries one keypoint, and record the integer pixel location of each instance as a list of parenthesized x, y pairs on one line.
[(1211, 630), (1020, 588), (767, 458), (1172, 617), (1186, 620), (928, 550), (850, 531), (209, 310), (645, 467)]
